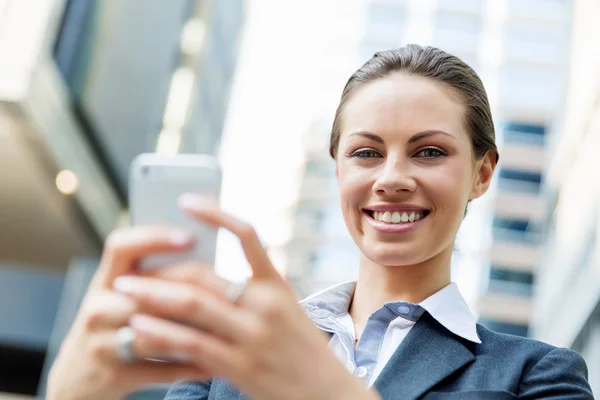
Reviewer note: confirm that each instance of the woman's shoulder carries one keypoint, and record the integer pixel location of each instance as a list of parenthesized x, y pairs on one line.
[(544, 370), (529, 350), (504, 341)]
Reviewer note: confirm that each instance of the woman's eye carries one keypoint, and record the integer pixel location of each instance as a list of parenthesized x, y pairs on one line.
[(431, 152), (366, 154)]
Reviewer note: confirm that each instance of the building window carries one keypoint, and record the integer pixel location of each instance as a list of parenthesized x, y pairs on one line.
[(518, 225), (504, 274), (74, 37), (524, 133), (526, 128), (525, 176), (516, 283), (514, 230), (513, 180)]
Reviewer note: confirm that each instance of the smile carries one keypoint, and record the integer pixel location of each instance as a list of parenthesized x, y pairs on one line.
[(395, 221), (397, 217)]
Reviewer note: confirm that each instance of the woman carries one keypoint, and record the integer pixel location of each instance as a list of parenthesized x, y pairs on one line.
[(413, 141)]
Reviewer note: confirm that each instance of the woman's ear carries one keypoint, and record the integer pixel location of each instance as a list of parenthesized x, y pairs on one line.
[(483, 175)]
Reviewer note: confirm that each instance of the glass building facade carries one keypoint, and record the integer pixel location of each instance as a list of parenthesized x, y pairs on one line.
[(85, 86)]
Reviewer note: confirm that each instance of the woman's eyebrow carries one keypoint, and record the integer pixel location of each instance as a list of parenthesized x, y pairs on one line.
[(422, 135), (415, 138), (369, 135)]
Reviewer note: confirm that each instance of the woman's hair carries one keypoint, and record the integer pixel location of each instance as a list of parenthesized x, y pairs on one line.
[(439, 66)]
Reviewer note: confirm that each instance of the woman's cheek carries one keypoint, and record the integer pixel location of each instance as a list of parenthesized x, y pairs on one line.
[(449, 191), (354, 186), (448, 179)]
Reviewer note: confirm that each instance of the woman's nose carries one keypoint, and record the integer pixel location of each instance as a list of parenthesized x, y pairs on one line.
[(395, 178)]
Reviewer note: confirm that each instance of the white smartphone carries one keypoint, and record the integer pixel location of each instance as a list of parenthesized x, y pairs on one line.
[(155, 183)]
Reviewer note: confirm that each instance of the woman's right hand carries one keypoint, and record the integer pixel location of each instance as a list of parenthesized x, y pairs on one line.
[(87, 366)]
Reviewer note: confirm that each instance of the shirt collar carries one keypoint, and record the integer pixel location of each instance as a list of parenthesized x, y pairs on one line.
[(446, 306)]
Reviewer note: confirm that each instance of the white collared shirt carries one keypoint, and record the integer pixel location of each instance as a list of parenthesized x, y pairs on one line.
[(386, 328)]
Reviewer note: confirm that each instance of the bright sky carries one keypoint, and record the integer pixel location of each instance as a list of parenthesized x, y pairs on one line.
[(275, 98)]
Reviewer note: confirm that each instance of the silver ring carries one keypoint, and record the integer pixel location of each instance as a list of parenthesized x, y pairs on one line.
[(125, 338), (235, 290)]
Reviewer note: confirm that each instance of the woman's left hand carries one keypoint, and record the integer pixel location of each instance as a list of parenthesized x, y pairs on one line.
[(263, 343)]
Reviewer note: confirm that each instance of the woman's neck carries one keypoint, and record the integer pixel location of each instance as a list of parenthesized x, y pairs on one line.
[(380, 284)]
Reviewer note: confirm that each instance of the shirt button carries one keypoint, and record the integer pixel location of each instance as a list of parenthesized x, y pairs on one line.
[(360, 372), (403, 309)]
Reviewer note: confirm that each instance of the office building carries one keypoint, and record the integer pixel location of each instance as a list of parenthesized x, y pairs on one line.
[(528, 104), (566, 306), (85, 86)]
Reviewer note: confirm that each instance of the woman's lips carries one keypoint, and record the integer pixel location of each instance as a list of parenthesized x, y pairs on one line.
[(385, 227)]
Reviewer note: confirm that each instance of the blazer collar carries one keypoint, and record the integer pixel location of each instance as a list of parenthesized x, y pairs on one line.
[(427, 355), (447, 306)]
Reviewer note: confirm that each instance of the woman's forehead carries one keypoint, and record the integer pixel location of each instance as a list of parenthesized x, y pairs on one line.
[(403, 103)]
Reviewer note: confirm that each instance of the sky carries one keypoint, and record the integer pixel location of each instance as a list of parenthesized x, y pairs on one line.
[(275, 97)]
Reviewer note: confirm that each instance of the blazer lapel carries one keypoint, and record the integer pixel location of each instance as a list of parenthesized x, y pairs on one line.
[(428, 354)]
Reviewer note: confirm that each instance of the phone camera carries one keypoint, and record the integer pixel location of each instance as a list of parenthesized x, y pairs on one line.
[(145, 171)]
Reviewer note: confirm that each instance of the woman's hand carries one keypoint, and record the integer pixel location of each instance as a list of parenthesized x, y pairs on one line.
[(263, 343), (87, 366)]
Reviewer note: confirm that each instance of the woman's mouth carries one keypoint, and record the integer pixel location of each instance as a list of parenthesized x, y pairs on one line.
[(395, 221)]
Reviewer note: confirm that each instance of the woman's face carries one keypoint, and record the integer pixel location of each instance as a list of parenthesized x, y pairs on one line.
[(405, 169)]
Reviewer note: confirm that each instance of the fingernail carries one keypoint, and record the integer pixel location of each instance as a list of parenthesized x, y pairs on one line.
[(126, 284), (181, 238), (192, 200)]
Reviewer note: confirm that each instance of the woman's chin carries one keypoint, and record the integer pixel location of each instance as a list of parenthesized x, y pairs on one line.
[(395, 256)]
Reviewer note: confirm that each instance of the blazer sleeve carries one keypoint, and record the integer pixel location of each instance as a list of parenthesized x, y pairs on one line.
[(189, 391), (560, 374)]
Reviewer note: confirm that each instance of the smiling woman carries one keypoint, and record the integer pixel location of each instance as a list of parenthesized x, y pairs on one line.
[(413, 142)]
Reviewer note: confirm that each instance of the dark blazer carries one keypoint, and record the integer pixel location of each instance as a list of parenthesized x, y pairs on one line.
[(433, 363)]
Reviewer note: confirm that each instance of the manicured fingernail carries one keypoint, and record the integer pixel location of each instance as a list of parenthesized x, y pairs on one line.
[(126, 284), (192, 200), (181, 238), (142, 324)]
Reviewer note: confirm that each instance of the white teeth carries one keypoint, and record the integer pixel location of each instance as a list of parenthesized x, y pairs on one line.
[(395, 217), (387, 217)]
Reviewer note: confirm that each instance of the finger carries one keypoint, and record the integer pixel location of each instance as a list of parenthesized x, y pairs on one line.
[(210, 213), (201, 275), (206, 351), (107, 309), (192, 273), (103, 347), (125, 247), (188, 304)]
